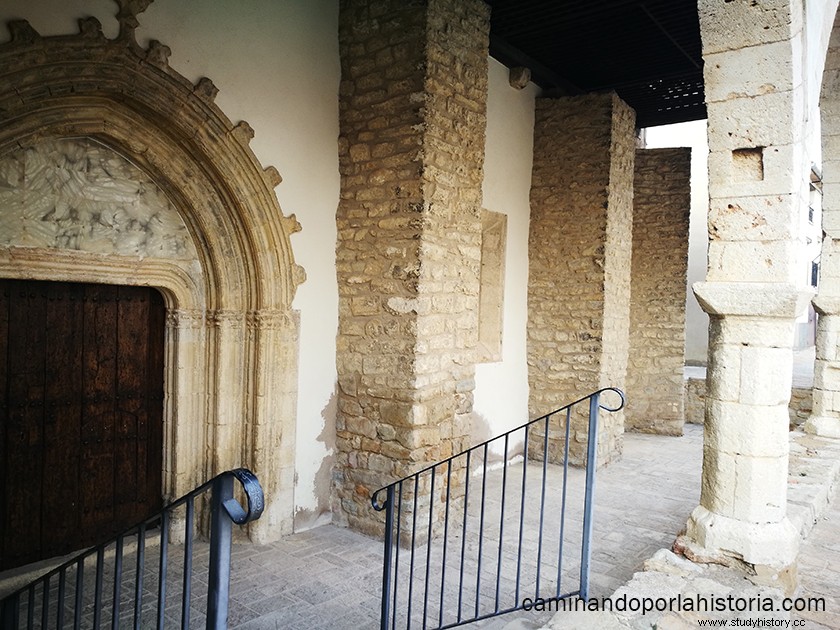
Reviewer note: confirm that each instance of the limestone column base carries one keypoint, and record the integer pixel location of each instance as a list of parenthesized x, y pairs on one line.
[(720, 539), (823, 426)]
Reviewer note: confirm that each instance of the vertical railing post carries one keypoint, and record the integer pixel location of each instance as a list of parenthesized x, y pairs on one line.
[(9, 611), (386, 563), (221, 528), (591, 454)]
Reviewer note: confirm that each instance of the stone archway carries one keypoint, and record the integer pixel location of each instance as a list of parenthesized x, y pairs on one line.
[(231, 344), (825, 418)]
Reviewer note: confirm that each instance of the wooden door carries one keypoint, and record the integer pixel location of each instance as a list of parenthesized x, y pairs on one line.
[(81, 414)]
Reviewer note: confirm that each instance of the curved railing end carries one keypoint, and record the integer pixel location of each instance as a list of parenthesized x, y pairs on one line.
[(620, 395), (253, 493)]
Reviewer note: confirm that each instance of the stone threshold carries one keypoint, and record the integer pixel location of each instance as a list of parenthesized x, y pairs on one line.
[(814, 470)]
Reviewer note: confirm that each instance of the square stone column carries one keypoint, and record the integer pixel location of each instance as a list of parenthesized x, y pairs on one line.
[(743, 501), (825, 412), (755, 281), (580, 257), (411, 153), (661, 204)]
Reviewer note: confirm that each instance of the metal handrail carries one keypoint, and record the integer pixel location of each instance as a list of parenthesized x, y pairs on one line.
[(405, 498), (47, 598)]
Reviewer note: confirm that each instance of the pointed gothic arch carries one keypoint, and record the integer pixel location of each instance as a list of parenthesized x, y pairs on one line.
[(231, 375)]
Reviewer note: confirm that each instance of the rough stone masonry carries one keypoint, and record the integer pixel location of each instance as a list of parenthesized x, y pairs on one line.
[(413, 115), (580, 258), (661, 203)]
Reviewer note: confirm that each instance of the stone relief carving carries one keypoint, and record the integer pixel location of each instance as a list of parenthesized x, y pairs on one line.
[(56, 87), (78, 194)]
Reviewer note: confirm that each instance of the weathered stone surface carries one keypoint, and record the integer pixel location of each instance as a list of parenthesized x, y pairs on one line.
[(80, 195), (755, 23), (580, 259), (752, 292), (413, 115), (799, 407), (825, 416), (661, 202)]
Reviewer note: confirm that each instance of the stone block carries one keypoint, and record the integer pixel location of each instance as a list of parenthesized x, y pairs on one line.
[(753, 331), (771, 69), (768, 543), (724, 373), (737, 429), (760, 491), (782, 173), (766, 376), (827, 375), (760, 121), (830, 268), (756, 218), (738, 25), (831, 220), (830, 166), (756, 261), (745, 488)]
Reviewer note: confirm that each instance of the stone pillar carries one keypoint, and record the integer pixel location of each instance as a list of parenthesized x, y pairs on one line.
[(411, 153), (825, 409), (661, 204), (580, 255), (752, 293), (825, 417)]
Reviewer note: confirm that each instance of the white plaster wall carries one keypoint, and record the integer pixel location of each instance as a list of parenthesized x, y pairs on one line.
[(276, 65), (501, 392), (692, 134)]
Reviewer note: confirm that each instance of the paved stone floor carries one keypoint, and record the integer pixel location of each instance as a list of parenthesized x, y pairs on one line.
[(330, 577), (819, 568), (813, 472)]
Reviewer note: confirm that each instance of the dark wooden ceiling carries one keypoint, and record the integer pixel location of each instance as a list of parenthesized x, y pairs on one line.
[(647, 51)]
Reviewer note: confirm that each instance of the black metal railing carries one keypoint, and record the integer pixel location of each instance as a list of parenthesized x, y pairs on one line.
[(483, 532), (124, 584)]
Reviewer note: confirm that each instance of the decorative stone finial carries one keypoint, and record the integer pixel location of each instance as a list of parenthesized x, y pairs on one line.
[(243, 132), (291, 224), (127, 16), (206, 89), (519, 77), (272, 176), (22, 32), (90, 28), (158, 54)]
